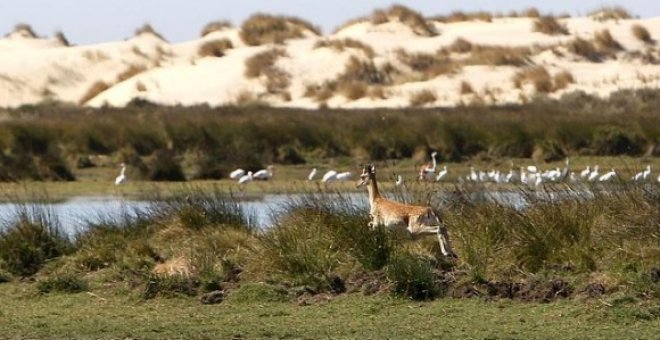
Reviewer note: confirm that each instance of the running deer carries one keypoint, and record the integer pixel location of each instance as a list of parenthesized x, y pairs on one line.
[(417, 220)]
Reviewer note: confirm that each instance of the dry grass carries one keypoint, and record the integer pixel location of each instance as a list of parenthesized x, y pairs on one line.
[(460, 45), (365, 71), (550, 26), (214, 48), (263, 64), (321, 92), (640, 32), (604, 42), (400, 13), (562, 80), (422, 97), (538, 76), (95, 56), (531, 12), (465, 88), (585, 49), (428, 65), (27, 30), (140, 86), (61, 38), (610, 13), (353, 90), (498, 56), (148, 29), (459, 16), (130, 72), (347, 43), (93, 91), (215, 26), (262, 29)]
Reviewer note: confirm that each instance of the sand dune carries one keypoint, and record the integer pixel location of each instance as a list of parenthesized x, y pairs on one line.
[(33, 70)]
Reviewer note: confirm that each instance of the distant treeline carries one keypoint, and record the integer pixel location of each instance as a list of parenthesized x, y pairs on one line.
[(45, 142)]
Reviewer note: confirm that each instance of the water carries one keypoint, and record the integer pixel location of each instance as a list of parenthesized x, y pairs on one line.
[(75, 213)]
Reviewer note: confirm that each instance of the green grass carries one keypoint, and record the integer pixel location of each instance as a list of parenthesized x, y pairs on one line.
[(109, 314)]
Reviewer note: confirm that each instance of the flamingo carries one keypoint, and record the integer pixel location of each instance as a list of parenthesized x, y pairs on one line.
[(264, 174), (329, 176), (246, 178), (236, 174), (342, 176), (607, 176), (441, 174), (427, 171), (311, 175), (122, 175)]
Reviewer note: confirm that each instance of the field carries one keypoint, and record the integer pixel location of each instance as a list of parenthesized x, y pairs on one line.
[(108, 314), (580, 260)]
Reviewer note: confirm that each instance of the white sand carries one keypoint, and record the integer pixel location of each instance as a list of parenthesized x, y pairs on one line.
[(34, 70)]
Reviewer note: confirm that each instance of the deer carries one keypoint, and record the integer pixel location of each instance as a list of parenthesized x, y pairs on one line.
[(416, 220)]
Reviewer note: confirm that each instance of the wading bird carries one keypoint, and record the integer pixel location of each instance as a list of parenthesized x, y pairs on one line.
[(427, 171), (122, 175), (264, 174), (245, 178), (311, 175), (236, 174)]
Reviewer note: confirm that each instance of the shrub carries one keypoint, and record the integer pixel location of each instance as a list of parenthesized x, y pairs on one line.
[(262, 29), (585, 49), (498, 56), (171, 286), (640, 32), (94, 90), (612, 140), (535, 75), (214, 26), (130, 72), (531, 13), (610, 13), (148, 29), (465, 88), (562, 80), (342, 44), (165, 167), (413, 277), (364, 71), (429, 65), (458, 16), (407, 16), (422, 97), (550, 26), (62, 283), (353, 90), (26, 30), (260, 63), (214, 48), (59, 36), (33, 237), (605, 42), (460, 45)]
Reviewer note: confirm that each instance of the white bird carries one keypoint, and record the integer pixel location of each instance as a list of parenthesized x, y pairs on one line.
[(658, 178), (441, 174), (246, 178), (584, 173), (329, 176), (264, 174), (342, 176), (593, 175), (236, 174), (311, 175), (399, 180), (122, 175), (532, 168), (647, 173), (607, 176)]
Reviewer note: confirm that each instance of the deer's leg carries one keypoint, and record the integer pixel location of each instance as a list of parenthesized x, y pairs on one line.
[(445, 244)]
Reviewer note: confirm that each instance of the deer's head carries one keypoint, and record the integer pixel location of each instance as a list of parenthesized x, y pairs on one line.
[(368, 172)]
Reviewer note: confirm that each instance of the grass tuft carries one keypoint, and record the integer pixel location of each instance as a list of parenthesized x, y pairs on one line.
[(62, 283), (641, 33), (215, 26), (550, 26), (260, 29), (214, 48)]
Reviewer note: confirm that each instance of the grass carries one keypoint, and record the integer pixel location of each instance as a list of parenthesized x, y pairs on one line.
[(148, 29), (261, 29), (346, 43), (550, 26), (610, 13), (113, 315), (422, 98), (94, 90), (215, 26), (214, 48), (641, 33)]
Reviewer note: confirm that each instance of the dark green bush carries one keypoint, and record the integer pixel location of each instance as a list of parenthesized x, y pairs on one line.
[(30, 239), (413, 277), (62, 283)]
